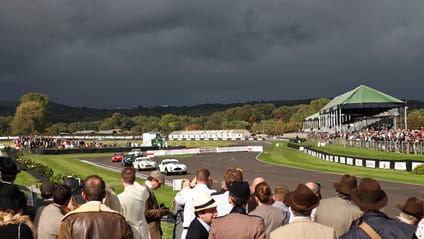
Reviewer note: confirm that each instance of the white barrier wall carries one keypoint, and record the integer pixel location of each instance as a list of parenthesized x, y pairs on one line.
[(153, 153)]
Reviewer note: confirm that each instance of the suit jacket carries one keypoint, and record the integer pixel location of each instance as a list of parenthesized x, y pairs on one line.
[(48, 221), (237, 225), (152, 214), (196, 230), (302, 227), (273, 217), (337, 213), (133, 200)]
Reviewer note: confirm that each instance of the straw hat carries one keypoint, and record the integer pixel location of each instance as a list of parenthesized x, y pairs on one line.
[(158, 176), (203, 201)]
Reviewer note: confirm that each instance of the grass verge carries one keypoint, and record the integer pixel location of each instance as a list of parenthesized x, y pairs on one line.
[(283, 155)]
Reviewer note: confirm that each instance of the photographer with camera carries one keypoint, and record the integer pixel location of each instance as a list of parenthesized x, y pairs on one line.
[(153, 212)]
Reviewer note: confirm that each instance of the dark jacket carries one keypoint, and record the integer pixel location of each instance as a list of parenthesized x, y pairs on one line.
[(386, 227), (152, 215), (94, 221), (9, 226), (196, 230)]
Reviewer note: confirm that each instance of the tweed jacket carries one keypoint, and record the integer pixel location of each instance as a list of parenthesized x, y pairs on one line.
[(303, 227), (337, 213), (152, 214), (273, 217), (48, 221), (133, 200), (93, 220), (237, 225), (196, 230)]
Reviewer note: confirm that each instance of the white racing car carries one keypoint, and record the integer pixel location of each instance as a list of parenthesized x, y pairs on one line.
[(144, 163), (168, 166)]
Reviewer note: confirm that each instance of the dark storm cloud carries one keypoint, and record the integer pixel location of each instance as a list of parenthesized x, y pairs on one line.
[(126, 53)]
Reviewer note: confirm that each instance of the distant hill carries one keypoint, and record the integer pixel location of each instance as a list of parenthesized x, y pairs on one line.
[(64, 113)]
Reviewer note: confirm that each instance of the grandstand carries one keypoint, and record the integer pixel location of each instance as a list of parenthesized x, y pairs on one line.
[(355, 110)]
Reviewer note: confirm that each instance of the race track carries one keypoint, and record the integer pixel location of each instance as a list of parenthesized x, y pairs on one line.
[(217, 163)]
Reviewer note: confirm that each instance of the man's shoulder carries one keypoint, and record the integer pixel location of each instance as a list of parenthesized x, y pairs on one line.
[(87, 208)]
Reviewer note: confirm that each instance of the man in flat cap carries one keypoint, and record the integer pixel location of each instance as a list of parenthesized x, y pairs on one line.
[(238, 224), (370, 198), (153, 212), (301, 201), (339, 212)]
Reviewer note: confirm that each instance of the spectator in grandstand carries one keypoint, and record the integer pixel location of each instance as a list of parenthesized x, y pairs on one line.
[(278, 196), (273, 217), (93, 219), (13, 225), (316, 189), (153, 211), (238, 224), (411, 211), (204, 207), (339, 212), (231, 175), (49, 218), (252, 204), (301, 201), (185, 198), (370, 198), (132, 201)]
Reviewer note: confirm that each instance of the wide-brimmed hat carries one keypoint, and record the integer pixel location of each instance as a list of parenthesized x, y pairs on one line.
[(413, 206), (203, 201), (346, 185), (158, 176), (240, 190), (302, 198), (7, 165), (369, 195)]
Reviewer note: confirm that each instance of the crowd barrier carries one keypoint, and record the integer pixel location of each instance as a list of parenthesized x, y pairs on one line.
[(403, 165), (169, 152)]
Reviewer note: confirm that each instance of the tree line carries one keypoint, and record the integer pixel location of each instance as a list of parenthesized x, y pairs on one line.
[(33, 115)]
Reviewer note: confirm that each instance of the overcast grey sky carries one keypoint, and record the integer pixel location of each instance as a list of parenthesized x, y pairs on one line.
[(124, 53)]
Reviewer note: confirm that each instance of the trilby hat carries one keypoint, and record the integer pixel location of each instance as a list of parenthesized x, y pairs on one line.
[(203, 201), (7, 165), (369, 195), (346, 185), (302, 198), (413, 206)]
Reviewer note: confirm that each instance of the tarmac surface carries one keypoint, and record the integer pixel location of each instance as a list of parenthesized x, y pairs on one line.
[(217, 163)]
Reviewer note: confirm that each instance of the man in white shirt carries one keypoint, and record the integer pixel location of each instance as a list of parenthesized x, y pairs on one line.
[(185, 198)]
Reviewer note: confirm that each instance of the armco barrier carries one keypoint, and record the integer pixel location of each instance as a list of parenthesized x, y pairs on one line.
[(403, 165), (154, 153)]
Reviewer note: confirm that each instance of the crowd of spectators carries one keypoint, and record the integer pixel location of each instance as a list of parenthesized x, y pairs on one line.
[(373, 134), (355, 212), (51, 142)]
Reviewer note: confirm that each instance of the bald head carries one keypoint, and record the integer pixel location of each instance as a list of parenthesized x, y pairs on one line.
[(315, 188), (255, 182)]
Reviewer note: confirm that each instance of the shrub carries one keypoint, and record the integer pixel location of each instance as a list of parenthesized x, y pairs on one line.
[(419, 170), (37, 167)]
